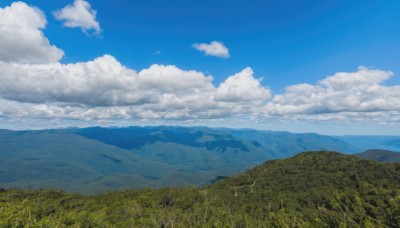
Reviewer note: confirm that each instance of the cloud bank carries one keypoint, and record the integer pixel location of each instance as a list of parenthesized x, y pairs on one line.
[(34, 84), (79, 15), (215, 48), (107, 87), (343, 96)]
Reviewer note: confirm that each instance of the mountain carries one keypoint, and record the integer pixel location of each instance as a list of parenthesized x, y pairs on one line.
[(313, 189), (366, 142), (285, 144), (392, 142), (380, 155), (194, 148), (63, 160), (92, 160)]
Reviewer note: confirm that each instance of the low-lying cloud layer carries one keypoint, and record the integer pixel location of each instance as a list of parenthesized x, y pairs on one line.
[(34, 84), (108, 87)]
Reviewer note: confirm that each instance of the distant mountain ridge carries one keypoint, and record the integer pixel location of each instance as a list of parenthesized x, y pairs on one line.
[(392, 142), (287, 144), (366, 142), (97, 159), (137, 137), (380, 155)]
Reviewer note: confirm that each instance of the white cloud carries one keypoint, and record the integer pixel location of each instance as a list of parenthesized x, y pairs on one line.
[(214, 48), (100, 82), (21, 36), (103, 88), (357, 96), (79, 15), (35, 85), (170, 79), (242, 87)]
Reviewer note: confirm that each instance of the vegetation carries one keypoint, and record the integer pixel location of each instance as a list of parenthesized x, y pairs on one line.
[(313, 189), (380, 155)]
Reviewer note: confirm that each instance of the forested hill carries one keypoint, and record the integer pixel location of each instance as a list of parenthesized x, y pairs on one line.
[(317, 189), (380, 155)]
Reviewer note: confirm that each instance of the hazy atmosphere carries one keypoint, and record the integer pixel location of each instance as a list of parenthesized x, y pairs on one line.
[(330, 67)]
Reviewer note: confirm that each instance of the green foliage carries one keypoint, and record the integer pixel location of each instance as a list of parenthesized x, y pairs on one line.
[(314, 189)]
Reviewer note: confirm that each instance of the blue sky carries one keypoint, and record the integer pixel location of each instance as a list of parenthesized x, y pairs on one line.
[(284, 42)]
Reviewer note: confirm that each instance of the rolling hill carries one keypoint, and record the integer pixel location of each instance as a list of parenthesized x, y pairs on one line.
[(313, 189), (92, 160), (380, 155)]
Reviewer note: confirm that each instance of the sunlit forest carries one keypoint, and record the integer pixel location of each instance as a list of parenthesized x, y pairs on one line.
[(312, 189)]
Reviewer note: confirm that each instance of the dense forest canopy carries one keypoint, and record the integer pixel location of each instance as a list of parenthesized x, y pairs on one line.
[(313, 189)]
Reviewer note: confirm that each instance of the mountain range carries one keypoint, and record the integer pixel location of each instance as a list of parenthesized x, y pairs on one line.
[(96, 159), (366, 142)]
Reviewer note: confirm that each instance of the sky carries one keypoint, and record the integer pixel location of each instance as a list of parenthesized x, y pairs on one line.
[(331, 67)]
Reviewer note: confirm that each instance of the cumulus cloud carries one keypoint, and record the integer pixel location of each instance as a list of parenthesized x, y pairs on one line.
[(35, 85), (215, 48), (103, 87), (242, 87), (79, 15), (21, 36), (355, 95), (100, 82)]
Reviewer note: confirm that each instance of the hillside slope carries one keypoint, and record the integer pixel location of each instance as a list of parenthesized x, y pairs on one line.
[(313, 189), (193, 149), (63, 160), (380, 155)]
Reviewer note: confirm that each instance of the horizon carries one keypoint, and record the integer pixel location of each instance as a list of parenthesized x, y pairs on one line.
[(329, 67), (197, 126)]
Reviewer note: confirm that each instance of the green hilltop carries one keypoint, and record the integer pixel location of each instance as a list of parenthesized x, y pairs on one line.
[(312, 189)]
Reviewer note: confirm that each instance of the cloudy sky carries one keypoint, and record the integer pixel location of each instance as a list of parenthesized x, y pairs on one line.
[(331, 67)]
